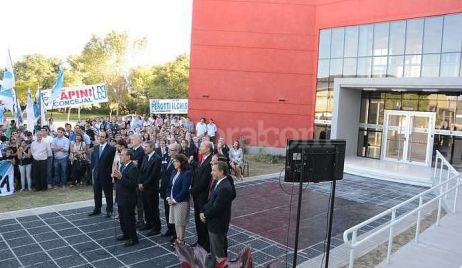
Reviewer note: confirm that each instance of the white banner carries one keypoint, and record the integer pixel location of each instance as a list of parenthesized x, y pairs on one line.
[(168, 106), (77, 96), (6, 178)]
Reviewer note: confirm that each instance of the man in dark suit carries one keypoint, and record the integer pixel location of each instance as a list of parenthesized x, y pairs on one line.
[(200, 185), (101, 166), (148, 185), (217, 211), (162, 151), (139, 154), (126, 184), (168, 169)]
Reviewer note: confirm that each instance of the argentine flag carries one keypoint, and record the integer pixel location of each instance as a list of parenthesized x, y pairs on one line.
[(56, 90), (7, 94), (30, 111)]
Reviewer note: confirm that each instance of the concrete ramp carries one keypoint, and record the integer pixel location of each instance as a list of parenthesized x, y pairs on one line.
[(439, 246)]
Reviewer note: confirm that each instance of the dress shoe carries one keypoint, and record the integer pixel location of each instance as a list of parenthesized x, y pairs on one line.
[(94, 213), (152, 232), (108, 214), (121, 238), (145, 228), (173, 239), (131, 242), (168, 233)]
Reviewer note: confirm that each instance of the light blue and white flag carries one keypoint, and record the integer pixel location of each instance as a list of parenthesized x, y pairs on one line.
[(17, 113), (7, 94), (6, 178), (31, 118), (56, 90), (39, 108)]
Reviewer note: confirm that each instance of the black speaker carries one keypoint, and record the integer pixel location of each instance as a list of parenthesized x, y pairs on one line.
[(314, 160)]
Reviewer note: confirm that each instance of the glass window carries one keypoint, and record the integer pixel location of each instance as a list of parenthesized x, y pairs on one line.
[(321, 132), (414, 34), (321, 101), (450, 63), (395, 66), (364, 67), (366, 36), (433, 35), (379, 67), (427, 102), (412, 66), (351, 41), (337, 43), (323, 70), (410, 105), (431, 65), (349, 67), (381, 39), (324, 44), (452, 35), (362, 143), (393, 104), (322, 86), (374, 142), (376, 108), (397, 37), (364, 111), (336, 66)]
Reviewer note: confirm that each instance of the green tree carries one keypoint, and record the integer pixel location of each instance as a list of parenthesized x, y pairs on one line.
[(104, 59)]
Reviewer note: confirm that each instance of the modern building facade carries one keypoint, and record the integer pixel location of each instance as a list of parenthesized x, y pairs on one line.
[(383, 74)]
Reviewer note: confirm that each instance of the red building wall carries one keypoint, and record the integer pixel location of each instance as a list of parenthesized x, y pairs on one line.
[(253, 63)]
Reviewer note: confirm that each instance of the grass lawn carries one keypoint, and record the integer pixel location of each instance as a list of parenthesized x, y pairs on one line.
[(259, 165)]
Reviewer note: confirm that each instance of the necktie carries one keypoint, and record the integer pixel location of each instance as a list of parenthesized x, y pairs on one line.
[(122, 168), (100, 151)]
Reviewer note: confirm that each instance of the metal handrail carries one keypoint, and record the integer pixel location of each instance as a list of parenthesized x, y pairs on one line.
[(441, 197)]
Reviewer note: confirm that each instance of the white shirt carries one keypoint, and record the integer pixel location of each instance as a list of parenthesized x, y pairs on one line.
[(218, 182), (201, 128), (101, 146), (211, 129), (150, 155)]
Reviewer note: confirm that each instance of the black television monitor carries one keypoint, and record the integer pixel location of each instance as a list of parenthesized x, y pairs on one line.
[(314, 160)]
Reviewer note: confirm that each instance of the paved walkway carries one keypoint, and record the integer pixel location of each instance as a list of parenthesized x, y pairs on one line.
[(439, 246)]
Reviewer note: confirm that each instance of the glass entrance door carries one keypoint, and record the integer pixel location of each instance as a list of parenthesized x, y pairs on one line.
[(408, 137)]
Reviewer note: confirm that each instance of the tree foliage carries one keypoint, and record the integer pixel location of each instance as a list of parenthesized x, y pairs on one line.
[(105, 59)]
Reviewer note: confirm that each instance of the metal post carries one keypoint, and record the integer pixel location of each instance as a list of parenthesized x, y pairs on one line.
[(439, 211), (419, 213), (352, 254), (456, 193), (447, 184), (297, 228), (436, 166), (390, 235), (331, 218)]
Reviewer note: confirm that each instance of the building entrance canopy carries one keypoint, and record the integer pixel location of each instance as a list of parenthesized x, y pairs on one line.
[(397, 129)]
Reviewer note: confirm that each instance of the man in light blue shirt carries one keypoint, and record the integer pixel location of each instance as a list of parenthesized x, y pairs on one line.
[(60, 148)]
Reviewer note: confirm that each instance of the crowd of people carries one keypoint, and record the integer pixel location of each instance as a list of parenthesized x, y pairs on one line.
[(142, 159)]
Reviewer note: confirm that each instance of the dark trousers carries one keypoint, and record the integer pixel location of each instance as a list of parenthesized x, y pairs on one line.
[(127, 220), (151, 208), (170, 226), (39, 174), (139, 207), (217, 247), (201, 228), (98, 188)]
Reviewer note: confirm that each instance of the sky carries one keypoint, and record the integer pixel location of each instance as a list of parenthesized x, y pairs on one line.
[(61, 28)]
